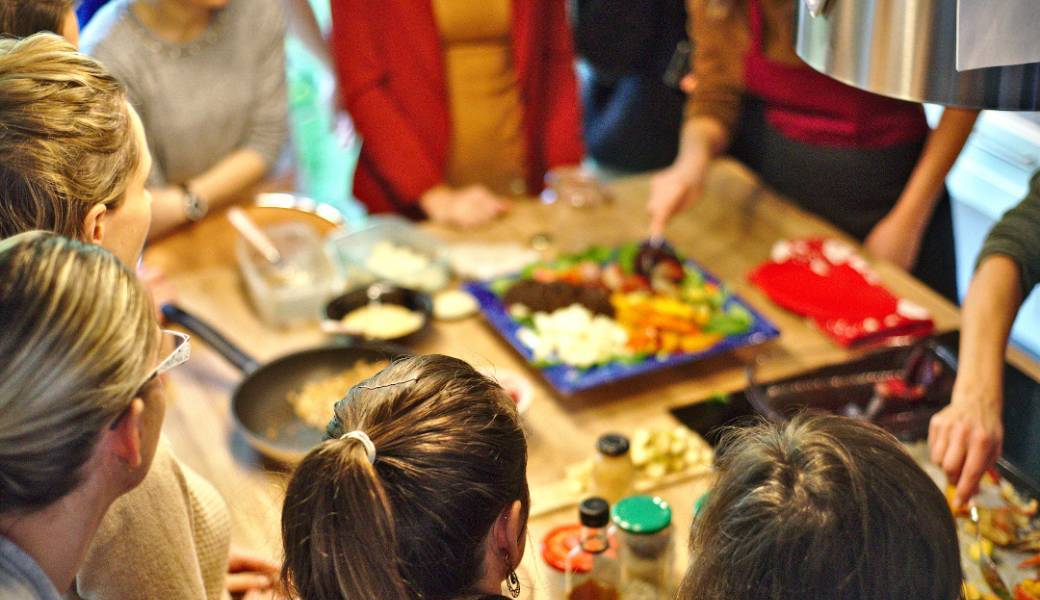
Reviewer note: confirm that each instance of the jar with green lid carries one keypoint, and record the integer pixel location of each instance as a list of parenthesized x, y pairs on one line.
[(645, 549)]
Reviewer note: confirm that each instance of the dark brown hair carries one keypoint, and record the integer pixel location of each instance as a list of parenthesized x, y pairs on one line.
[(451, 456), (822, 507), (22, 18)]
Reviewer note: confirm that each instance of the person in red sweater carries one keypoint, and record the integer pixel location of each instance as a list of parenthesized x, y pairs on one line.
[(460, 103)]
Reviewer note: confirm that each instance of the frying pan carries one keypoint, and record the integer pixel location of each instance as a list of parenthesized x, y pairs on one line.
[(259, 404)]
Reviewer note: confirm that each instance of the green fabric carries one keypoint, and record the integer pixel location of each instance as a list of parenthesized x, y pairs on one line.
[(324, 165), (1017, 236)]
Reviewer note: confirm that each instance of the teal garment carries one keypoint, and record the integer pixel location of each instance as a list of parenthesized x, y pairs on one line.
[(325, 158), (1017, 236)]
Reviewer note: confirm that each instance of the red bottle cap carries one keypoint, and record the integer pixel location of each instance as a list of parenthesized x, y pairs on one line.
[(557, 544)]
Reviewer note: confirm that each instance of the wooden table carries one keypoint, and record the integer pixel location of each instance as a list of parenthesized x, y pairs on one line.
[(729, 231)]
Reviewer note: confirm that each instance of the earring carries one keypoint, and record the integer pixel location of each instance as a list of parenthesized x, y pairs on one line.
[(513, 583)]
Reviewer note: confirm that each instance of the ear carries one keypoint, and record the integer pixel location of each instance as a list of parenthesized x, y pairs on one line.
[(94, 224), (510, 533), (126, 437)]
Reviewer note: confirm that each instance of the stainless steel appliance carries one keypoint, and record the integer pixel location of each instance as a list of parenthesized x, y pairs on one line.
[(906, 49)]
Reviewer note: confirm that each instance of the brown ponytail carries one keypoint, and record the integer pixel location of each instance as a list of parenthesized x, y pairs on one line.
[(450, 457)]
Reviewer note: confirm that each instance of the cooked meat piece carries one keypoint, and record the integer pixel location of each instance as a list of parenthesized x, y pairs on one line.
[(549, 297)]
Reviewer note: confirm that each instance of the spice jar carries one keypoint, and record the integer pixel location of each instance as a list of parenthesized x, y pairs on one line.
[(645, 547), (555, 547), (592, 570), (612, 470)]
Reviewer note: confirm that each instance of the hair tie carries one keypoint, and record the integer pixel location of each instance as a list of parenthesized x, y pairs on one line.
[(366, 441)]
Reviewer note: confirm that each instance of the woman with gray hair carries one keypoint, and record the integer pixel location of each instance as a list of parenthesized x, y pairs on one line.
[(81, 403)]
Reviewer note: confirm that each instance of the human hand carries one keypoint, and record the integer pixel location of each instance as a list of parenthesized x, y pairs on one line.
[(688, 84), (462, 207), (250, 574), (671, 190), (966, 437), (894, 241)]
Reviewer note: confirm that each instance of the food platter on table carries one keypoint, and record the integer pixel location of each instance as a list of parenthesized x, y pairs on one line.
[(639, 308), (1010, 531)]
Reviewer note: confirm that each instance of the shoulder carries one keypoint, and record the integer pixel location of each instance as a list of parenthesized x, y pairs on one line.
[(109, 30)]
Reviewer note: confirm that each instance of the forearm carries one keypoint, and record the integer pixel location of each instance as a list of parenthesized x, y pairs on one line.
[(229, 178), (223, 182), (989, 311), (702, 139), (916, 203)]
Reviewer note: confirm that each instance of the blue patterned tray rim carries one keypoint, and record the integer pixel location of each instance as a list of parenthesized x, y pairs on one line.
[(570, 380)]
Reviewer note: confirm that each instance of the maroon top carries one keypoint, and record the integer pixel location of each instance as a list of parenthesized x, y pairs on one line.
[(808, 106)]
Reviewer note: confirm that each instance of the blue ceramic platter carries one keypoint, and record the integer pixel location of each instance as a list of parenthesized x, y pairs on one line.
[(569, 380)]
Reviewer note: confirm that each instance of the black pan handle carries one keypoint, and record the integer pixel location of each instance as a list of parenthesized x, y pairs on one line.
[(175, 314)]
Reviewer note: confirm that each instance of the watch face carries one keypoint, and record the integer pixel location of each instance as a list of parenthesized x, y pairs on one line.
[(194, 206)]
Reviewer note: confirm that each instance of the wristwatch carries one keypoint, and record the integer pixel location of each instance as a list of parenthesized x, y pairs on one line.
[(195, 206)]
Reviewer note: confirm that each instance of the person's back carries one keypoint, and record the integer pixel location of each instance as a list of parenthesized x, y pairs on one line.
[(822, 508), (419, 491)]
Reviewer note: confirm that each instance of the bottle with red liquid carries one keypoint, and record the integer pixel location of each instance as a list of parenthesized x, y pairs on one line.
[(592, 571)]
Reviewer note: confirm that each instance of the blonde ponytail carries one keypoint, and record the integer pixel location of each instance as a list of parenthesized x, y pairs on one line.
[(79, 333)]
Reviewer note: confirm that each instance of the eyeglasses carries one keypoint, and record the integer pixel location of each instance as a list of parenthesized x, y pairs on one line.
[(180, 354)]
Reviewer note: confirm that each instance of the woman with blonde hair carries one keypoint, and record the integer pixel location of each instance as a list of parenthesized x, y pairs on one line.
[(73, 156), (420, 490), (74, 160), (81, 403), (821, 508)]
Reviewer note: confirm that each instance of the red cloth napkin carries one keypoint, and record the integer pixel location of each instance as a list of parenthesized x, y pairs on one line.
[(827, 281)]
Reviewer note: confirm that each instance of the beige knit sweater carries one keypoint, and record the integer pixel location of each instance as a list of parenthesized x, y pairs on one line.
[(167, 538)]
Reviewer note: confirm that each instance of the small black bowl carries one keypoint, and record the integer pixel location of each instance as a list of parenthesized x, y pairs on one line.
[(386, 293)]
